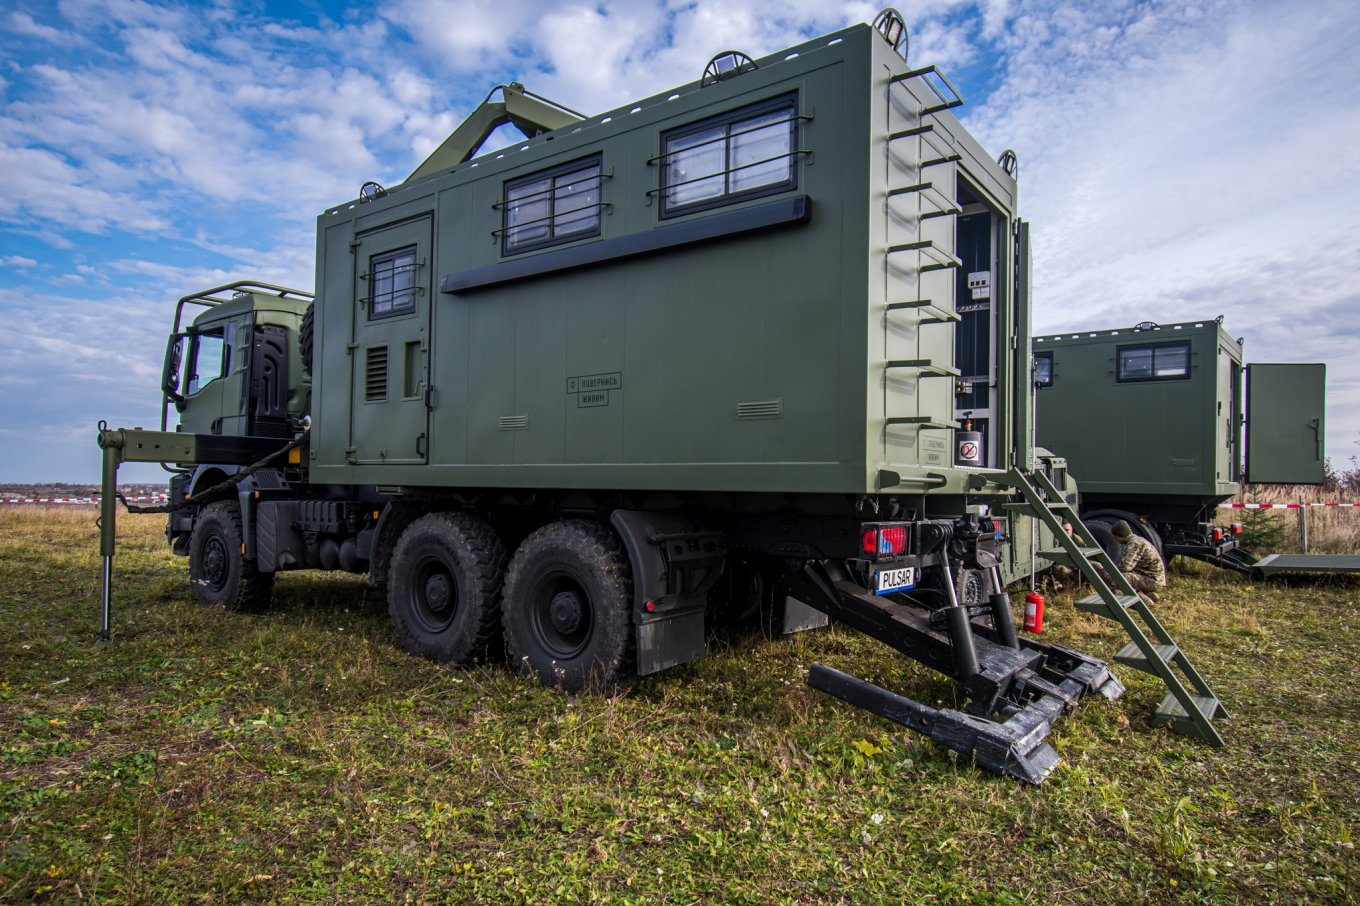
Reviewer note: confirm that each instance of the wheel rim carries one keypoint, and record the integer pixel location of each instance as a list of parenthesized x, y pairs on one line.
[(215, 563), (434, 595), (561, 615)]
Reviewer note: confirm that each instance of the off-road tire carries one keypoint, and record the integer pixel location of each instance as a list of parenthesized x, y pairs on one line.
[(219, 573), (444, 588), (306, 333), (568, 607)]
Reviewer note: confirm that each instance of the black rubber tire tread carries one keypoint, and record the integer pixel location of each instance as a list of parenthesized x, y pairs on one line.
[(475, 557), (306, 336), (1100, 530), (244, 589), (593, 558)]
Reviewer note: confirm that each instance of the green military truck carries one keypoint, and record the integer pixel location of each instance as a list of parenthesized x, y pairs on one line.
[(574, 395), (1163, 422)]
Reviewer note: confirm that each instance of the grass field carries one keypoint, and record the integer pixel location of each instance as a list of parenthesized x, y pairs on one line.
[(299, 756)]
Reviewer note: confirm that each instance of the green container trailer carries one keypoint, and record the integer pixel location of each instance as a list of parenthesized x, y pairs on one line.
[(1163, 422)]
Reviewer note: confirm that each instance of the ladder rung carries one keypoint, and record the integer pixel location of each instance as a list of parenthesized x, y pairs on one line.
[(923, 368), (1132, 656), (922, 421), (932, 313)]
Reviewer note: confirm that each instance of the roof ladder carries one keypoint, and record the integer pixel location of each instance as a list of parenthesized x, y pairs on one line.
[(1191, 706)]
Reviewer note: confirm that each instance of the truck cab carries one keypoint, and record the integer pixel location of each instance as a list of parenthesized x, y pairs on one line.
[(237, 370)]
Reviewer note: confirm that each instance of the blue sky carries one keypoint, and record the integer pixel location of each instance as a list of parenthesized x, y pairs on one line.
[(1178, 160)]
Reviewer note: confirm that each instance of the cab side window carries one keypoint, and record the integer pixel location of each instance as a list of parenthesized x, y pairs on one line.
[(210, 360)]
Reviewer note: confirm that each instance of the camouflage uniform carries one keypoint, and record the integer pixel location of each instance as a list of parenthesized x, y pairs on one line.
[(1142, 565)]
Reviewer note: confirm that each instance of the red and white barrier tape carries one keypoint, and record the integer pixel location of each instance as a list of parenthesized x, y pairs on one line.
[(153, 498), (1279, 506)]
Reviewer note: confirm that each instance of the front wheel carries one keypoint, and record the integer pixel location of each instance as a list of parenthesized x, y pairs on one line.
[(568, 603), (220, 574)]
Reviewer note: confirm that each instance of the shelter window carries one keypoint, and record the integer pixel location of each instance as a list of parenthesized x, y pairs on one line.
[(392, 281), (743, 154), (552, 207), (1043, 369), (1156, 362)]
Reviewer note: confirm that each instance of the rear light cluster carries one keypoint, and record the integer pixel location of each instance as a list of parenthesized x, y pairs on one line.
[(883, 541)]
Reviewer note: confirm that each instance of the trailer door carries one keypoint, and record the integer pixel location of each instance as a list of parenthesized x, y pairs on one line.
[(389, 414), (1285, 423)]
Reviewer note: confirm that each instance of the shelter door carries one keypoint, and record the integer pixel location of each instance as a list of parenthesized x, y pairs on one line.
[(389, 352), (1286, 423)]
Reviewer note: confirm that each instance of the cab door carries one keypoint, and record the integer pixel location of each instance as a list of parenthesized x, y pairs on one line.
[(1286, 423), (389, 352)]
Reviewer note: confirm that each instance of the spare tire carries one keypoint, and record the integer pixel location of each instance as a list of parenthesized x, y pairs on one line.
[(305, 333)]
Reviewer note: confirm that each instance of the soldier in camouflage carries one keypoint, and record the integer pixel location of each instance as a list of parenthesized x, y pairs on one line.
[(1139, 561)]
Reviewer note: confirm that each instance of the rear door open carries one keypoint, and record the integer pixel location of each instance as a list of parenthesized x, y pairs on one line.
[(1286, 426)]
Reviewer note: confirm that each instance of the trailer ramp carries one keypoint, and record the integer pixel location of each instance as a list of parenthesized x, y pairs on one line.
[(1312, 564), (1016, 688)]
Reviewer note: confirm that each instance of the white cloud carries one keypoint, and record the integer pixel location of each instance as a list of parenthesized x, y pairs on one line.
[(17, 261), (23, 24)]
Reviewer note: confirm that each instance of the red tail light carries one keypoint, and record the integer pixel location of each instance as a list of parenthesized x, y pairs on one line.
[(884, 540), (1218, 534), (1237, 528)]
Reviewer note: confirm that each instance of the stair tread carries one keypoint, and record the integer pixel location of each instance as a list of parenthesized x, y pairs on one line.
[(1172, 708), (1096, 604), (1087, 552), (1131, 652)]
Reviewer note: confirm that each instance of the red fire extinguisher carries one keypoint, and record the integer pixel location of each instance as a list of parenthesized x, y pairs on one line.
[(1034, 613)]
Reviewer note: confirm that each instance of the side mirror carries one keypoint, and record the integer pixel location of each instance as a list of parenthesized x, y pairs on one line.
[(174, 357)]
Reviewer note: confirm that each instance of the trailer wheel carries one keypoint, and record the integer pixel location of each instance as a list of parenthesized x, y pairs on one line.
[(306, 334), (220, 574), (568, 602), (970, 586), (443, 588)]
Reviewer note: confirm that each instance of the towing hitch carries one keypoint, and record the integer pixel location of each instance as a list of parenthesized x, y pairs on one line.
[(1017, 688)]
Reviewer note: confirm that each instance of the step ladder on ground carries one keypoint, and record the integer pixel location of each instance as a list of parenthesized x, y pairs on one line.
[(1191, 706)]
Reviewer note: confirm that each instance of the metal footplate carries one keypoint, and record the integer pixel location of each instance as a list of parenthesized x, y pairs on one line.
[(1015, 694)]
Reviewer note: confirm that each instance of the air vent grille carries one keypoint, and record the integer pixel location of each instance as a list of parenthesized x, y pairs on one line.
[(761, 409), (513, 423), (375, 374)]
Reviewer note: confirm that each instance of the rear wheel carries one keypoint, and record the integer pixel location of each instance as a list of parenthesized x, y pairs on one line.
[(220, 574), (443, 589), (568, 603)]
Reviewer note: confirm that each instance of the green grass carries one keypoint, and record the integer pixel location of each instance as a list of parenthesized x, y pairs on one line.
[(299, 756)]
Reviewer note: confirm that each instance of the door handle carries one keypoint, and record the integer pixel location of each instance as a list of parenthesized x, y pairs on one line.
[(420, 445)]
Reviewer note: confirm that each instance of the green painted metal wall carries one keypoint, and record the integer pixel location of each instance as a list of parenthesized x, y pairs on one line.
[(1154, 437), (756, 361)]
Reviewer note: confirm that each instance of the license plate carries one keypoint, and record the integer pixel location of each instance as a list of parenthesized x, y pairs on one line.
[(890, 580)]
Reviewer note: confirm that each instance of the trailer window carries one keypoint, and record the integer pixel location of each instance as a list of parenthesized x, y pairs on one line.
[(1158, 362), (392, 281), (743, 154), (551, 207), (1043, 369)]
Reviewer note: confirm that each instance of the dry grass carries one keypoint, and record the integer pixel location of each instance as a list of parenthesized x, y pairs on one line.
[(1331, 530), (298, 756)]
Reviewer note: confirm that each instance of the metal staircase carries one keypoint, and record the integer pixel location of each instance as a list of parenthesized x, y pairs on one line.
[(1191, 706)]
